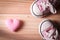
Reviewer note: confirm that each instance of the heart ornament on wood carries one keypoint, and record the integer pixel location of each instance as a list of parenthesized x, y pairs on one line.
[(12, 24)]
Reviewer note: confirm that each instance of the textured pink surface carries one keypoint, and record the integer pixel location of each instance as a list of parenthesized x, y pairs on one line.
[(12, 24), (44, 5), (41, 6)]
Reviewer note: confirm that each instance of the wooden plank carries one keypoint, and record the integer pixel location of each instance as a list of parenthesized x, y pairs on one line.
[(13, 7), (29, 30)]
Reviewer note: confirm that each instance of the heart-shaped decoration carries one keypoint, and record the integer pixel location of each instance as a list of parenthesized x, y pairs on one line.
[(12, 24)]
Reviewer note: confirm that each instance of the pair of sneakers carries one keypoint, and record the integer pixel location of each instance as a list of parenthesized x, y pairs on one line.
[(41, 8)]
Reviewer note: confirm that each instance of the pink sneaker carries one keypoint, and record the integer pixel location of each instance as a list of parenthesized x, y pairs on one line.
[(40, 8), (47, 30)]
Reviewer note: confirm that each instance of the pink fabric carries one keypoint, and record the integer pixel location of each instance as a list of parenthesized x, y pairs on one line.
[(12, 24), (39, 6), (43, 4), (48, 33)]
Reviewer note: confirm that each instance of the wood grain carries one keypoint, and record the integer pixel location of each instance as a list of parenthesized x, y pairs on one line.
[(20, 9), (15, 6)]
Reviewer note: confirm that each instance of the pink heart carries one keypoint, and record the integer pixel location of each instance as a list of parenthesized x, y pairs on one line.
[(12, 24)]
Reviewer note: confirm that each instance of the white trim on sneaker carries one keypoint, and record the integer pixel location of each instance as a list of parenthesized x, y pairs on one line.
[(31, 9)]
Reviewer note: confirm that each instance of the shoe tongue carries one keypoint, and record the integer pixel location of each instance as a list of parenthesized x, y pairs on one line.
[(43, 4), (46, 25)]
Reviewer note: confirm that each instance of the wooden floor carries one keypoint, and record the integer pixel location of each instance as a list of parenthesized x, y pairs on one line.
[(20, 9)]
